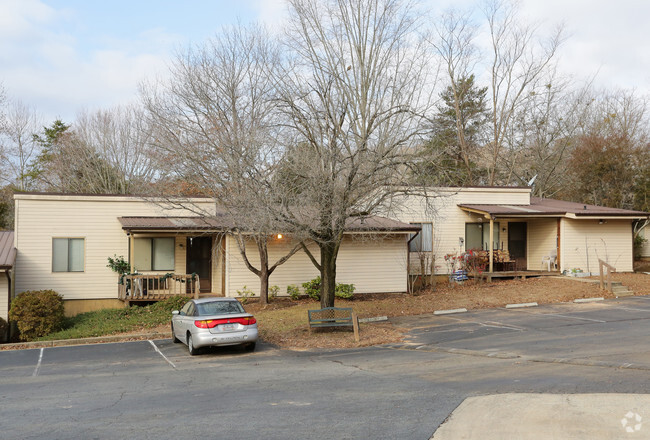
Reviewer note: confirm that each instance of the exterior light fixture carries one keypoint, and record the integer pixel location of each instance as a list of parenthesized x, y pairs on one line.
[(279, 236)]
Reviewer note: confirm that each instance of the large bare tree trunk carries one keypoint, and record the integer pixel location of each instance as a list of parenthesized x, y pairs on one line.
[(328, 254)]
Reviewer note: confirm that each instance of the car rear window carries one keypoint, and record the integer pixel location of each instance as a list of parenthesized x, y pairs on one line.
[(220, 308)]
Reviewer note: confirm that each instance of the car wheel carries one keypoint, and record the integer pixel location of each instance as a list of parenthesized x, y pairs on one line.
[(249, 347), (175, 340), (190, 346)]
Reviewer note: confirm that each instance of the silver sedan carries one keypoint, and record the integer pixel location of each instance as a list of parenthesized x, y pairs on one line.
[(209, 322)]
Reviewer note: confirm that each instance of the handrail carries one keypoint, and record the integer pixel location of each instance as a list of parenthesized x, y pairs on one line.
[(158, 286), (610, 269)]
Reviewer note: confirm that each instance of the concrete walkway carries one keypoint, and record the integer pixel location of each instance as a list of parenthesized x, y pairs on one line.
[(549, 416)]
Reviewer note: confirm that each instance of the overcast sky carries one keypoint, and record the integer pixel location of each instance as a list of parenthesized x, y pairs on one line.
[(63, 56)]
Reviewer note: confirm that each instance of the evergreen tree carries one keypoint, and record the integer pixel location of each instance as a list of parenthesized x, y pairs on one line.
[(458, 131)]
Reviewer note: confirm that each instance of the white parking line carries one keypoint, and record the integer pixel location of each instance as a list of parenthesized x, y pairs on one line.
[(572, 317), (632, 309), (501, 325), (160, 353), (38, 364)]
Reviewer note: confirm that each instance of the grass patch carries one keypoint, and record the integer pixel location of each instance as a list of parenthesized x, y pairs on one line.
[(114, 321)]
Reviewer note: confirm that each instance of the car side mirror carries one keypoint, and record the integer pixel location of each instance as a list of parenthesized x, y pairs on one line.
[(175, 312)]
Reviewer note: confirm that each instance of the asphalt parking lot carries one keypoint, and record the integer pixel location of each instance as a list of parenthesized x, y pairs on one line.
[(588, 332), (154, 389)]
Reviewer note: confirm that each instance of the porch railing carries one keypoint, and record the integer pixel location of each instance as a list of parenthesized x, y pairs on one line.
[(606, 281), (155, 287)]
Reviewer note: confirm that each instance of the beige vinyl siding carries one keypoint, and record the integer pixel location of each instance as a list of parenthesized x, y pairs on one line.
[(542, 238), (4, 296), (585, 241), (180, 254), (449, 220), (39, 218), (372, 265)]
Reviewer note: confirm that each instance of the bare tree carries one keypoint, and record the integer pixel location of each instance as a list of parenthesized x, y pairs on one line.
[(103, 152), (519, 59), (544, 135), (121, 138), (216, 124), (18, 148), (354, 100)]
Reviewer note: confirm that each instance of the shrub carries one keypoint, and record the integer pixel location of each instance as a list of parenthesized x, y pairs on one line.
[(293, 291), (344, 291), (273, 291), (245, 293), (312, 288), (169, 304), (37, 313), (118, 265), (4, 328)]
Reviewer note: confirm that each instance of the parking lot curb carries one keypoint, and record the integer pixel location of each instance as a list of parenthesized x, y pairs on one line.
[(449, 312), (85, 341), (588, 300), (521, 305)]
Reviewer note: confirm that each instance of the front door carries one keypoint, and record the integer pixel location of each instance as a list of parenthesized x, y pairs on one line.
[(517, 243), (199, 260)]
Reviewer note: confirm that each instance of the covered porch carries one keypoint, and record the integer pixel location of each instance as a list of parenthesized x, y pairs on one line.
[(513, 241), (170, 256), (550, 235)]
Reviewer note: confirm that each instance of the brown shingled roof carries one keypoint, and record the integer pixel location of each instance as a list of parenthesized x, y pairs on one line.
[(7, 250), (173, 223), (373, 223), (553, 208)]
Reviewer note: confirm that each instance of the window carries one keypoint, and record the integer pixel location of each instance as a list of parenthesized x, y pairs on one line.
[(477, 236), (422, 241), (220, 308), (184, 311), (154, 253), (67, 255)]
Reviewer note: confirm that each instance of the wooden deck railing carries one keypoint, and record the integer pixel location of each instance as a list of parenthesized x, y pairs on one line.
[(610, 269), (155, 287)]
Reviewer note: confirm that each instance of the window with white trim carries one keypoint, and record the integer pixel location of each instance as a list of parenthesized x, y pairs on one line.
[(67, 255)]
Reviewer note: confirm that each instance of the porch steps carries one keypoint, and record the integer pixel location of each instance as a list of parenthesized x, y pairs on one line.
[(619, 289)]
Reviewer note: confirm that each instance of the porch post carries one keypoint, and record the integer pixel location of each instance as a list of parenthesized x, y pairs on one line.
[(491, 249), (131, 252), (558, 243)]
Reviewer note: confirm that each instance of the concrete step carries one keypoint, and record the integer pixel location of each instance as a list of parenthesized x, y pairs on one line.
[(624, 293)]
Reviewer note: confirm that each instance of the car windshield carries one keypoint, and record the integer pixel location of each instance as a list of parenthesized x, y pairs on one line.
[(219, 308)]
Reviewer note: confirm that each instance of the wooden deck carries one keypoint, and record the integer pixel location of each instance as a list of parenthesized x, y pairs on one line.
[(156, 287)]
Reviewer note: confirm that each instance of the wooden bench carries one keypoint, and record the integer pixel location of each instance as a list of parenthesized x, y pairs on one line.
[(334, 317)]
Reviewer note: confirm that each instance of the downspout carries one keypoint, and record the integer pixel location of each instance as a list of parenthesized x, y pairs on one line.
[(408, 262), (491, 249), (131, 250)]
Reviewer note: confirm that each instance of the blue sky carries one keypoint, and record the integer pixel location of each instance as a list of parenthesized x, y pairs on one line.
[(63, 56)]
